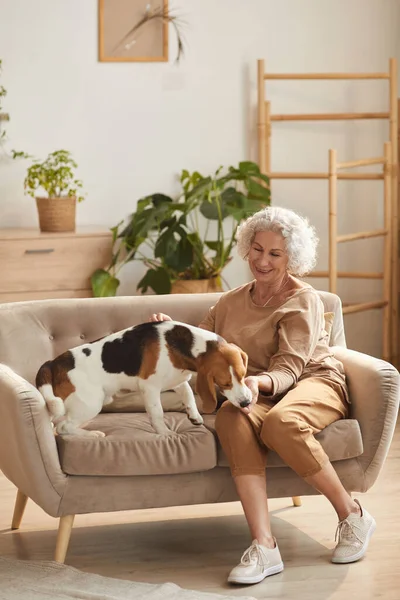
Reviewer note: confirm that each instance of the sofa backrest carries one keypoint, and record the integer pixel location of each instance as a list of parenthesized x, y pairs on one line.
[(332, 303), (36, 331)]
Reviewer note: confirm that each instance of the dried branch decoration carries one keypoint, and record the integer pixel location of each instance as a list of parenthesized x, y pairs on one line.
[(154, 14)]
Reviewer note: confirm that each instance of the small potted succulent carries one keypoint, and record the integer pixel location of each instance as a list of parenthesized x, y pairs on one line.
[(55, 176)]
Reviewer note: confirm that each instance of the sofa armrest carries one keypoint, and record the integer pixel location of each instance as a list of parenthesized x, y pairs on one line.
[(374, 389), (28, 452)]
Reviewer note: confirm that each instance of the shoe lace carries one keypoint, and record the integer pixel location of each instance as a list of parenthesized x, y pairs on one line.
[(253, 553), (347, 532)]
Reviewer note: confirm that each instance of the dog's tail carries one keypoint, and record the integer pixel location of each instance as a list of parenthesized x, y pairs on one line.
[(44, 383)]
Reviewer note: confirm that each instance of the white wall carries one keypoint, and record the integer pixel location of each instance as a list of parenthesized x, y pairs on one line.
[(132, 127)]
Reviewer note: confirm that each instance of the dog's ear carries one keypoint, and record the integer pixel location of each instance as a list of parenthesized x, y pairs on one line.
[(205, 387), (245, 359), (244, 356)]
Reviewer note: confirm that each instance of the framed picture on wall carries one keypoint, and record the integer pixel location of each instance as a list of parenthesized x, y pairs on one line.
[(133, 31)]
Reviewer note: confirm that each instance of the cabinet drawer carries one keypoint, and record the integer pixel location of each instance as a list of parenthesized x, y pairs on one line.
[(28, 265)]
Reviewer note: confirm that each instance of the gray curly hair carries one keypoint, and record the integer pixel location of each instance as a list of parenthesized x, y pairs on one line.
[(300, 238)]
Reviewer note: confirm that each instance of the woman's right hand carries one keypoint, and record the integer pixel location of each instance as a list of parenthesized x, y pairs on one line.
[(253, 385), (156, 317)]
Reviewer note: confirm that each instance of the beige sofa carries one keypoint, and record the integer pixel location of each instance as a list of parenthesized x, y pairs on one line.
[(133, 467)]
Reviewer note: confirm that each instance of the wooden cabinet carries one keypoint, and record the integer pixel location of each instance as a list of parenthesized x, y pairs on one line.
[(36, 266)]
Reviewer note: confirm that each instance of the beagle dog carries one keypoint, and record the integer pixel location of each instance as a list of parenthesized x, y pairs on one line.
[(148, 358)]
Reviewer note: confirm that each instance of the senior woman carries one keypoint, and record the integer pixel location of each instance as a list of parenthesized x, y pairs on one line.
[(297, 386)]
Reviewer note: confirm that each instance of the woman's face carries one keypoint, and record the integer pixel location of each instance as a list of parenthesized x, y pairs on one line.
[(268, 258)]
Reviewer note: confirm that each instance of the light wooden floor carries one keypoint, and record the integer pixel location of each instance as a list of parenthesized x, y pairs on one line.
[(195, 547)]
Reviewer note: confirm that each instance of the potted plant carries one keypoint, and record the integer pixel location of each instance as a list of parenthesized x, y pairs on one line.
[(3, 116), (173, 238), (55, 175)]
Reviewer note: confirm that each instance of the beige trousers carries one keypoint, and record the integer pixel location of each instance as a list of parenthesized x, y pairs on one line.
[(287, 427)]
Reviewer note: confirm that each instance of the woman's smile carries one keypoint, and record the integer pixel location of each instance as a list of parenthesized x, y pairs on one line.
[(268, 258)]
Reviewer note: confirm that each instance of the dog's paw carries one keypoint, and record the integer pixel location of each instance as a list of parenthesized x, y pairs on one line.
[(161, 428), (164, 430), (96, 434), (197, 420)]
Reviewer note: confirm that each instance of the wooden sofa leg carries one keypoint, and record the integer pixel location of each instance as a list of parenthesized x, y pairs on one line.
[(296, 500), (63, 536), (19, 508)]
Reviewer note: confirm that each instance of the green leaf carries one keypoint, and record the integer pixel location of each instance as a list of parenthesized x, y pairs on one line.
[(142, 204), (232, 197), (249, 168), (214, 245), (182, 258), (186, 180), (19, 154), (159, 199), (104, 284), (195, 240), (253, 205), (249, 207), (166, 244), (143, 223), (196, 178), (184, 175), (168, 222), (183, 207), (134, 248), (114, 258), (200, 189), (182, 220), (264, 178), (237, 213), (114, 231), (209, 209), (156, 279), (256, 190)]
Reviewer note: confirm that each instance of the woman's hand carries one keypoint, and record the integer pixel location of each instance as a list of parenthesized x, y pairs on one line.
[(253, 385), (156, 317)]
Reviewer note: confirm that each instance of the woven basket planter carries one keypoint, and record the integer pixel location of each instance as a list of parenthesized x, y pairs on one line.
[(56, 214), (196, 286)]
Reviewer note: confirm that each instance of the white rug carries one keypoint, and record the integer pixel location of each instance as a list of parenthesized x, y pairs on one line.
[(28, 580)]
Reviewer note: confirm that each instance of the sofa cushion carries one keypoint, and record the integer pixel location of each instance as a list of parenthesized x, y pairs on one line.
[(340, 440), (127, 402), (131, 447)]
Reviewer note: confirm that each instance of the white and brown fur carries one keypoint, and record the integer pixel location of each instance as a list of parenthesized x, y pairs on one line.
[(148, 358)]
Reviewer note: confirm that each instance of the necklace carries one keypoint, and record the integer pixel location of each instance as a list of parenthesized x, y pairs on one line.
[(273, 295)]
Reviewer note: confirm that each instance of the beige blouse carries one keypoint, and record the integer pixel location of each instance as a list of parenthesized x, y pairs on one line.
[(288, 341)]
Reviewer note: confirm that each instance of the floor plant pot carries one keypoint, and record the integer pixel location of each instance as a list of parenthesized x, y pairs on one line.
[(56, 214), (196, 286)]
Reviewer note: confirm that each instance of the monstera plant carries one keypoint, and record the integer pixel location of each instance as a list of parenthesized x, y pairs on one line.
[(187, 238)]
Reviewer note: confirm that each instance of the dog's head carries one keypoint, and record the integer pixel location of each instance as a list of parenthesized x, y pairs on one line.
[(223, 365)]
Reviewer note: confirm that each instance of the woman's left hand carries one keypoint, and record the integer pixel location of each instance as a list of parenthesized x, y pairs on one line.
[(252, 384)]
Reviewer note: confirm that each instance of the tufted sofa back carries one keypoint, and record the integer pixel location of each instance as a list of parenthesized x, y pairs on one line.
[(36, 331)]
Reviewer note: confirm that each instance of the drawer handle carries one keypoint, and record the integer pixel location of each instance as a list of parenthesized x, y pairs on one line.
[(40, 251)]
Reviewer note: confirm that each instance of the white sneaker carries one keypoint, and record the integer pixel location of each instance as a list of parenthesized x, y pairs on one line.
[(353, 534), (257, 563)]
